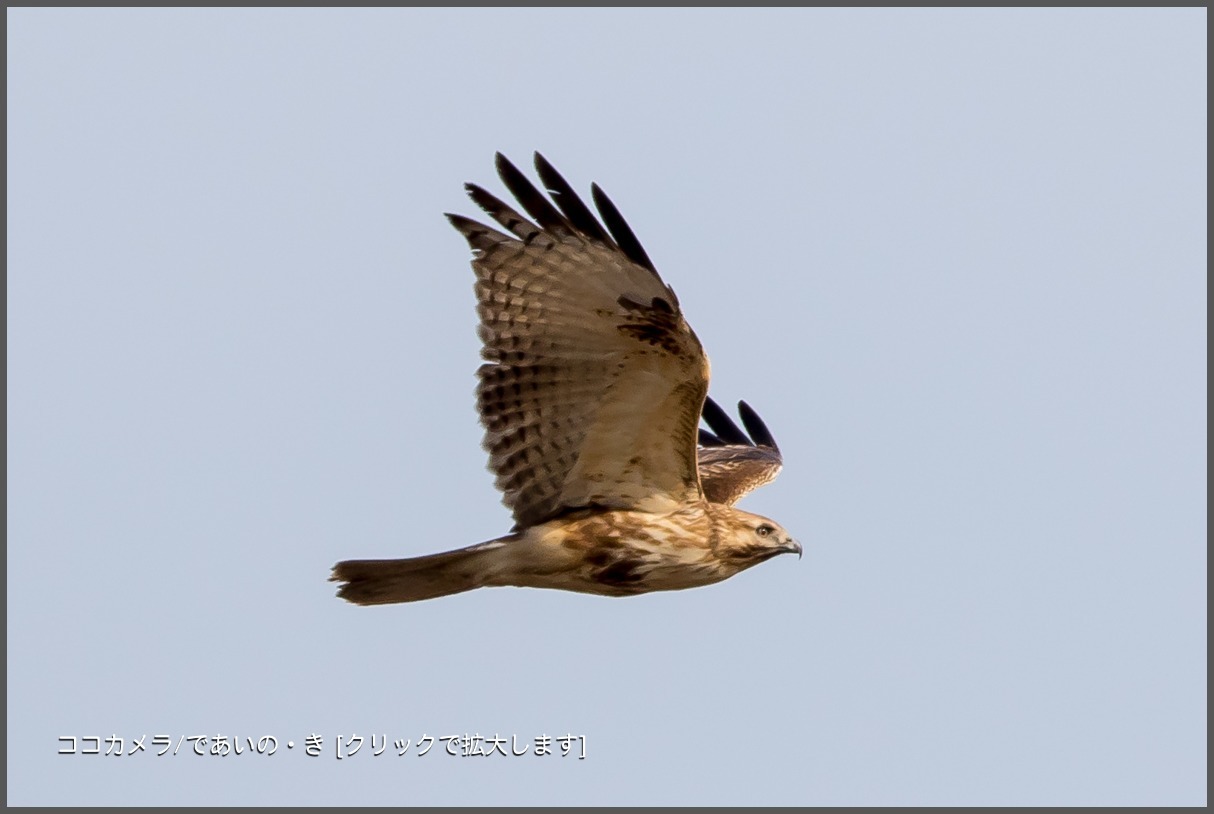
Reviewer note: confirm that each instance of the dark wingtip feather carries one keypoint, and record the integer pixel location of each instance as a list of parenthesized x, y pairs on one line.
[(570, 203), (515, 223), (755, 426), (620, 229), (463, 224), (707, 439), (723, 425), (485, 199), (530, 198), (478, 235)]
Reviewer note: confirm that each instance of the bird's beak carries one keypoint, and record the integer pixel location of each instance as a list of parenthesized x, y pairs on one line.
[(792, 547)]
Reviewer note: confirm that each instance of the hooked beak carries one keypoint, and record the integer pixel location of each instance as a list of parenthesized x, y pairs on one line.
[(791, 546)]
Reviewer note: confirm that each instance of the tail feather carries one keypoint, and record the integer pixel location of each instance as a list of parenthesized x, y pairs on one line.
[(382, 582)]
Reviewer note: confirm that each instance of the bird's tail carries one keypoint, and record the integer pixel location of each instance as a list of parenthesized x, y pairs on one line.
[(382, 582)]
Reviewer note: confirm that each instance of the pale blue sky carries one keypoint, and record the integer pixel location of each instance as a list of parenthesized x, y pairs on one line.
[(957, 260)]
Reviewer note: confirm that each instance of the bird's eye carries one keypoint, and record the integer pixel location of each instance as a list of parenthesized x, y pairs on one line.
[(764, 530)]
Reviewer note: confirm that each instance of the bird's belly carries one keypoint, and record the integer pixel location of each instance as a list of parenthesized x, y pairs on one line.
[(629, 577), (619, 553)]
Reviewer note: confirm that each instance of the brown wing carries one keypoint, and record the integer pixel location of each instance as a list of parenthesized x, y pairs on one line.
[(733, 463), (593, 382)]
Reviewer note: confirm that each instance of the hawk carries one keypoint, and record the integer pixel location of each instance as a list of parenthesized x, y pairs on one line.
[(590, 396)]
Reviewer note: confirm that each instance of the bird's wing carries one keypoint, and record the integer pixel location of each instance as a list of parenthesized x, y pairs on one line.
[(593, 383), (733, 462)]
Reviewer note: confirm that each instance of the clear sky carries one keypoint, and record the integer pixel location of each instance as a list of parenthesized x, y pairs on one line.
[(956, 259)]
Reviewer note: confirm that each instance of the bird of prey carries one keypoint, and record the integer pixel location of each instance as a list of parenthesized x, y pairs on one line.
[(590, 396)]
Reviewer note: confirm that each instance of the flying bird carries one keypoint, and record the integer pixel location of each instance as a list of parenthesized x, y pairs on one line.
[(590, 396)]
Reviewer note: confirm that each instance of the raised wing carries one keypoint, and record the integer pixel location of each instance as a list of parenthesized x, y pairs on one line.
[(733, 462), (593, 383)]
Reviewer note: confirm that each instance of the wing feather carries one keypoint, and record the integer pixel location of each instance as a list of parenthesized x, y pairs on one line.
[(578, 213), (720, 422), (593, 381), (620, 230), (755, 426), (532, 200), (505, 215), (733, 463)]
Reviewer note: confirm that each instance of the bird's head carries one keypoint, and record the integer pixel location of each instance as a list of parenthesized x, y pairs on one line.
[(749, 539)]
